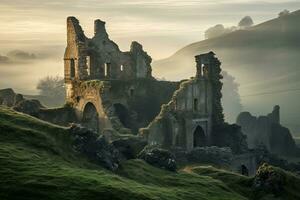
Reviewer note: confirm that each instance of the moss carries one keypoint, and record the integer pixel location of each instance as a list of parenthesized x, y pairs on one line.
[(93, 83), (276, 182)]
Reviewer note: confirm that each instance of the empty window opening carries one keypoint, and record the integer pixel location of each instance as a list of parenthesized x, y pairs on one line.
[(131, 92), (88, 64), (121, 68), (177, 140), (195, 104), (202, 69), (107, 69), (199, 137), (72, 68)]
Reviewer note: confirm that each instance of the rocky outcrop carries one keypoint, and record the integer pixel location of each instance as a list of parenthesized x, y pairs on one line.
[(63, 116), (30, 107), (129, 147), (9, 98), (268, 131), (270, 180), (158, 157), (95, 147)]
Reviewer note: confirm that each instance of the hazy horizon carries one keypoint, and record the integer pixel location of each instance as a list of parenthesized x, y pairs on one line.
[(163, 27)]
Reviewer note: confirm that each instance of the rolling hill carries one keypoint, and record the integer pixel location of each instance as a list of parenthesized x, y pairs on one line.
[(37, 161), (264, 59)]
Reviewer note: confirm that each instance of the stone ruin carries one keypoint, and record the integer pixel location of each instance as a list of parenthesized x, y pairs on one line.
[(112, 90), (267, 131), (114, 94)]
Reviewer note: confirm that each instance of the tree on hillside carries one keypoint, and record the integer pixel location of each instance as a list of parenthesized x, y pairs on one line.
[(217, 31), (284, 13), (246, 22), (51, 86), (231, 100)]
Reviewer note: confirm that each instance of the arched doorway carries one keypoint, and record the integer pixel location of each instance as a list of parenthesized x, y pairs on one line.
[(244, 170), (124, 116), (90, 117), (199, 137)]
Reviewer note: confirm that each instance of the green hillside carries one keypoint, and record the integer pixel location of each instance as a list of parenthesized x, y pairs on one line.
[(263, 59), (37, 162)]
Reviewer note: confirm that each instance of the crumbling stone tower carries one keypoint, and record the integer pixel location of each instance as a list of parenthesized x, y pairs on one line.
[(100, 58), (114, 90), (208, 66), (187, 121)]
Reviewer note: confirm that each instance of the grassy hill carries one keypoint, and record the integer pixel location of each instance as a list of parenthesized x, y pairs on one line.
[(263, 59), (37, 161)]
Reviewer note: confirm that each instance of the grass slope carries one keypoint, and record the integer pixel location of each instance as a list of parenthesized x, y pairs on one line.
[(37, 162)]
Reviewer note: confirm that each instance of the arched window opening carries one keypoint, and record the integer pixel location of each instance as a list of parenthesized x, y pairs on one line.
[(199, 137), (122, 68)]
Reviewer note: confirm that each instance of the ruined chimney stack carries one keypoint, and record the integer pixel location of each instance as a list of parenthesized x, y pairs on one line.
[(74, 30), (99, 28)]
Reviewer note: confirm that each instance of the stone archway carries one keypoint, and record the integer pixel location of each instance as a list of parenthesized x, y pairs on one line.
[(199, 137), (124, 115), (90, 118)]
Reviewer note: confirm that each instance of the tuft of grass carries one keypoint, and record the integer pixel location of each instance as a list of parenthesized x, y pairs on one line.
[(239, 183)]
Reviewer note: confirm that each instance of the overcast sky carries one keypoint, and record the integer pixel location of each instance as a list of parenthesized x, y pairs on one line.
[(38, 26)]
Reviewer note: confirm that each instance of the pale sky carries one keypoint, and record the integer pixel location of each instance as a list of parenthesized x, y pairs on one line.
[(38, 26)]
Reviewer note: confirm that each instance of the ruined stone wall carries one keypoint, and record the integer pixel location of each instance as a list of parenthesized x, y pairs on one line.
[(189, 108), (123, 105), (187, 120), (267, 131), (63, 116), (125, 96), (100, 58)]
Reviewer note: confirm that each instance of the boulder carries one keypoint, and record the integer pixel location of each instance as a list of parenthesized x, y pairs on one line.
[(130, 147), (95, 147), (269, 179), (158, 157), (9, 98), (30, 107)]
